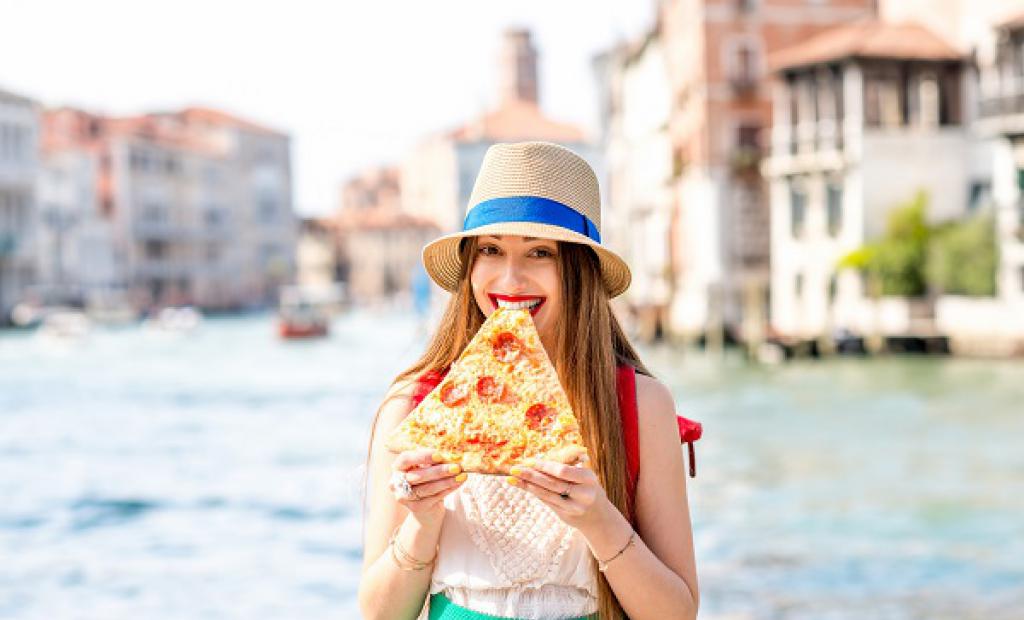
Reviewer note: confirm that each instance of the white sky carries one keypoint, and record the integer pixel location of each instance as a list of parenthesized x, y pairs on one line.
[(355, 83)]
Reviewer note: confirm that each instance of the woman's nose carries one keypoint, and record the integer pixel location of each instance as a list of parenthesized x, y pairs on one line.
[(513, 276)]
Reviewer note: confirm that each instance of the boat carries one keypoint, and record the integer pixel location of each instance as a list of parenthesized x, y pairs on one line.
[(175, 320), (302, 315), (65, 324)]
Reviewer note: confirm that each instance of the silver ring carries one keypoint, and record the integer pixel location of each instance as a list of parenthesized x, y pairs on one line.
[(401, 486), (565, 494)]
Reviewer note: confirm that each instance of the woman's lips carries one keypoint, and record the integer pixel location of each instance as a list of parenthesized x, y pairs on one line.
[(515, 298)]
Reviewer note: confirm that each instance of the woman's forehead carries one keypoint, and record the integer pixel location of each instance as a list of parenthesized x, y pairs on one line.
[(513, 238)]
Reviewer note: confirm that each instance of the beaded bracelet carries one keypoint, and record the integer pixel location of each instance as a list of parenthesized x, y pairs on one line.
[(602, 565), (397, 550)]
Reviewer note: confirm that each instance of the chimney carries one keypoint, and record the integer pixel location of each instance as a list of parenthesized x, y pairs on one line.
[(518, 67)]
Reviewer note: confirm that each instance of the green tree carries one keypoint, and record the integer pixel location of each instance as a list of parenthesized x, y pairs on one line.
[(962, 258), (913, 258), (895, 264)]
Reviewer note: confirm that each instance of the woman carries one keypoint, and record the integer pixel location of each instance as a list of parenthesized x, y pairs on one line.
[(551, 540)]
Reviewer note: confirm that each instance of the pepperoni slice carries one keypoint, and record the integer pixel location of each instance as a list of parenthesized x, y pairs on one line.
[(507, 347), (539, 416), (454, 395), (489, 390)]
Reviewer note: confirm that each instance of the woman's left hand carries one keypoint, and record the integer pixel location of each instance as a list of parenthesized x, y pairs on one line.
[(572, 491)]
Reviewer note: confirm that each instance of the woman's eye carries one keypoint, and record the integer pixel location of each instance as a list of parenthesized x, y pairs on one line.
[(543, 253), (488, 250)]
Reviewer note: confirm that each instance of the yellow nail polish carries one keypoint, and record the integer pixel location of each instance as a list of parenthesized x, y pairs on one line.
[(515, 471), (512, 481), (530, 462), (461, 477), (454, 468), (436, 457)]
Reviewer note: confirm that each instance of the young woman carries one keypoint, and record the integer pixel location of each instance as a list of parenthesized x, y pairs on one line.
[(551, 540)]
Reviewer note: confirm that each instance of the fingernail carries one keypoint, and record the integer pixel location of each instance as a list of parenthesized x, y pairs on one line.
[(436, 457), (461, 477), (515, 471), (513, 481), (454, 468), (530, 462)]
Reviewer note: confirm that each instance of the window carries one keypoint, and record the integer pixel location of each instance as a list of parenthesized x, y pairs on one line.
[(798, 285), (833, 288), (797, 208), (744, 67), (155, 250), (214, 217), (267, 208), (746, 6), (835, 208)]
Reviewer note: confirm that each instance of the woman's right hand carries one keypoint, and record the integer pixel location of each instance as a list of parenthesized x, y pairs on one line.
[(430, 481)]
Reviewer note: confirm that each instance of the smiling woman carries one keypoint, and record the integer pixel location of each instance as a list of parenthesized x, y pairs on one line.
[(552, 540)]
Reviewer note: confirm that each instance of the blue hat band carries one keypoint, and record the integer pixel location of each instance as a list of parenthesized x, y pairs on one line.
[(533, 209)]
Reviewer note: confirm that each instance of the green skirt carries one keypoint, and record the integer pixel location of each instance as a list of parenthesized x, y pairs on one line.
[(443, 609)]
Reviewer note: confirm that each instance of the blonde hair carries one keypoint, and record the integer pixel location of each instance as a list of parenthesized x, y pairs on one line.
[(590, 345)]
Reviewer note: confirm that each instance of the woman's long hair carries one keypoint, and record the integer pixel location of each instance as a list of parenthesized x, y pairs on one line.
[(590, 345)]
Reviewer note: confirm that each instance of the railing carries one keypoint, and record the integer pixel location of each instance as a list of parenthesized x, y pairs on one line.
[(1007, 99)]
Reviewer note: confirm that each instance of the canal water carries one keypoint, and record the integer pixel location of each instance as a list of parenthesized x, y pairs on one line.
[(217, 475)]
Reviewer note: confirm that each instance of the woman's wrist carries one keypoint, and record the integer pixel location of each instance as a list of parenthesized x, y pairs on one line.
[(607, 531)]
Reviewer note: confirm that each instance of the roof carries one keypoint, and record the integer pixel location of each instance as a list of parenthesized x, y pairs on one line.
[(514, 121), (866, 39), (218, 117), (1014, 21), (355, 220)]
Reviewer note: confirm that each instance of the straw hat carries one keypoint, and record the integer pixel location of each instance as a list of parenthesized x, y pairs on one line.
[(530, 189)]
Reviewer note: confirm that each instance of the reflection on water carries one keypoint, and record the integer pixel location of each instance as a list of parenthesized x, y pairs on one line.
[(218, 476)]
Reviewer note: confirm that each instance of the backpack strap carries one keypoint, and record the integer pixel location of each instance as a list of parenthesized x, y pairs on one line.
[(626, 381)]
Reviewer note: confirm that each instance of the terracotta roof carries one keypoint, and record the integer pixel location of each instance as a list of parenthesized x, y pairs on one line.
[(517, 120), (1012, 22), (218, 117), (866, 39), (354, 220)]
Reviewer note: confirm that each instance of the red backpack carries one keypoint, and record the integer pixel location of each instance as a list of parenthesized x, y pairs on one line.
[(689, 431)]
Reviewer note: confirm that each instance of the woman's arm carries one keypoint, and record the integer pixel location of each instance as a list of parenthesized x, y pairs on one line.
[(386, 590), (657, 577)]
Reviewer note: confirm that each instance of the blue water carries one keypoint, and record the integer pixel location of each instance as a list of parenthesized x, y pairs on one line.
[(218, 476)]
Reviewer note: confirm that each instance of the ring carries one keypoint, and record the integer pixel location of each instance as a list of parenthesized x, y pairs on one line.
[(565, 494), (401, 485)]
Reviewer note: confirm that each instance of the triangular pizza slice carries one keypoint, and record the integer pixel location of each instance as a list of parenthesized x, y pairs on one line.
[(500, 403)]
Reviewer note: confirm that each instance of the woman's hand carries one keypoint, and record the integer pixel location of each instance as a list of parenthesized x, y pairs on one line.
[(421, 481), (572, 491)]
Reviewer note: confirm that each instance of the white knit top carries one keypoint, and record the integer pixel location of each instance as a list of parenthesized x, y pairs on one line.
[(503, 552)]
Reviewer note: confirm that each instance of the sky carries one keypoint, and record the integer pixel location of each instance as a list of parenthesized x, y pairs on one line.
[(356, 84)]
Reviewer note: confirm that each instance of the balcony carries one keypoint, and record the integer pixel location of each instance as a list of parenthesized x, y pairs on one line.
[(1001, 111)]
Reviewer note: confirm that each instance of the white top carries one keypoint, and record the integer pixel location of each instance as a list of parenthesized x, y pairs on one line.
[(505, 553)]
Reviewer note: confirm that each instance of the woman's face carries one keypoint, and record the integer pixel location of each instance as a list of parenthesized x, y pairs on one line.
[(518, 272)]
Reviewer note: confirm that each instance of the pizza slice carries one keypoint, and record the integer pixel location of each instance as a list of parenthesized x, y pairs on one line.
[(500, 403)]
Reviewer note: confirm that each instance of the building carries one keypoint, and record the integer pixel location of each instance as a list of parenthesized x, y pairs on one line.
[(196, 204), (721, 106), (639, 214), (865, 115), (19, 142), (438, 176)]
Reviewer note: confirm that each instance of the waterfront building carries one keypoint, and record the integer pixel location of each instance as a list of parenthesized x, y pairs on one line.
[(639, 215), (19, 140), (865, 116), (378, 244), (197, 203), (721, 109)]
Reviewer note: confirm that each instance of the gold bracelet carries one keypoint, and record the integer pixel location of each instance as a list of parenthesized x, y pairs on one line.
[(397, 550), (602, 565)]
